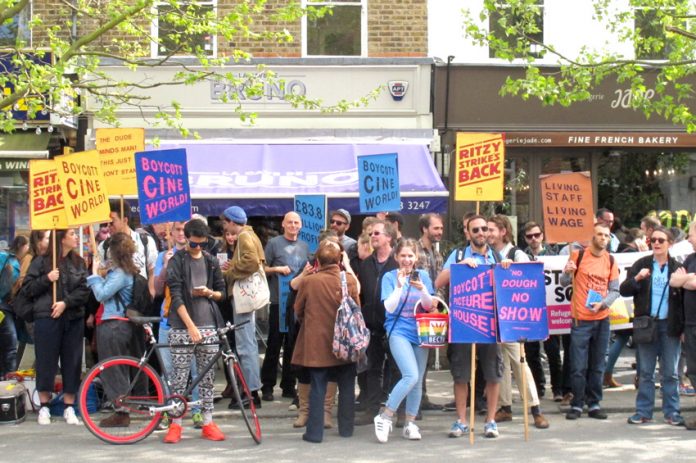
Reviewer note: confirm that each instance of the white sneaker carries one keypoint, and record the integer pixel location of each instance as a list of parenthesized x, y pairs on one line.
[(69, 416), (383, 427), (44, 416), (411, 431)]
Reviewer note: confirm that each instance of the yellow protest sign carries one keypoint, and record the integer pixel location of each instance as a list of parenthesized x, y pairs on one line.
[(479, 167), (117, 149), (46, 208), (84, 191)]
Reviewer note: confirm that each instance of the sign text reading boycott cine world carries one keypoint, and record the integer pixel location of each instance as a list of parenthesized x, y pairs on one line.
[(163, 187), (378, 175)]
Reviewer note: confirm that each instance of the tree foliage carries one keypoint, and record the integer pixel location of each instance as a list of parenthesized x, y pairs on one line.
[(63, 66), (657, 68)]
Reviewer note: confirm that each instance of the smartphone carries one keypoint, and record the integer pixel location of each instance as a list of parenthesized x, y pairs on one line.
[(415, 276), (200, 287)]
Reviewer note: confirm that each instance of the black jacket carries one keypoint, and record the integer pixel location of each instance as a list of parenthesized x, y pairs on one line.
[(642, 294), (72, 287), (371, 291), (179, 280)]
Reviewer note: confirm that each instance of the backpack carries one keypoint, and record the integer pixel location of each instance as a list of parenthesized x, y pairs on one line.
[(7, 275), (511, 253), (461, 252), (23, 306), (580, 254), (351, 336), (141, 304)]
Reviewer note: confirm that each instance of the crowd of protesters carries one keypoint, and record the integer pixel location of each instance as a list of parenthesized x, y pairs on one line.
[(388, 273)]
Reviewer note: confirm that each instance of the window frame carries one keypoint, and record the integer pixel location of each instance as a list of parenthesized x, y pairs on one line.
[(363, 26), (154, 44)]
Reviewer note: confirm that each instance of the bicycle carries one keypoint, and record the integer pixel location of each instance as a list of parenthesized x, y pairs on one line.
[(148, 395)]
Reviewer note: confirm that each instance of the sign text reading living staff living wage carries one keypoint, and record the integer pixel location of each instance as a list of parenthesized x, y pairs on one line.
[(46, 207), (378, 175), (520, 297), (567, 206), (117, 148), (163, 186), (479, 167), (84, 191), (472, 309)]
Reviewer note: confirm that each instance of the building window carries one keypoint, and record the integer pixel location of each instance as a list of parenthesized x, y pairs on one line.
[(172, 35), (341, 32), (16, 32), (520, 29), (651, 41)]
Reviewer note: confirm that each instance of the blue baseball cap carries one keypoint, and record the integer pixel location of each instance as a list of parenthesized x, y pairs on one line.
[(235, 214)]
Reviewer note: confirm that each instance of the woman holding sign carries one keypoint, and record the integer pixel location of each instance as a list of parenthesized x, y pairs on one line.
[(402, 289), (659, 307), (59, 320)]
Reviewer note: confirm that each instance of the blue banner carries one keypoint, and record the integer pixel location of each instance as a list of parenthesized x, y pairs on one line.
[(312, 211), (283, 293), (472, 307), (520, 296), (378, 176), (163, 186)]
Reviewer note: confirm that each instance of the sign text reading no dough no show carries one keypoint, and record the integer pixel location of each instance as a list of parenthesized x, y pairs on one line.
[(378, 175)]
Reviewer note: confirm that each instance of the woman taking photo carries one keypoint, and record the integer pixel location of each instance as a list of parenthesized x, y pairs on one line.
[(114, 331), (58, 326), (647, 281), (401, 290), (318, 297)]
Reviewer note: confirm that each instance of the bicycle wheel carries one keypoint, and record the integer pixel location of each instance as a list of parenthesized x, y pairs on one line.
[(251, 419), (134, 422)]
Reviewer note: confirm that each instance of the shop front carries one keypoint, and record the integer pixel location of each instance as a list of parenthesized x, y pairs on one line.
[(637, 165)]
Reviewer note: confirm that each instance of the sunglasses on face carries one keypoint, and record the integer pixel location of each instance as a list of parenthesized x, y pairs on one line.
[(477, 229), (375, 233), (533, 235), (658, 240), (338, 222), (194, 245)]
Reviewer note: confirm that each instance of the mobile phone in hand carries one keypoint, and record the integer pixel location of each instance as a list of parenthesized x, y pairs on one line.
[(415, 276)]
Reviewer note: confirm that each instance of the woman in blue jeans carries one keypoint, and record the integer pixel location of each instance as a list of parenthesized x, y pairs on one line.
[(648, 282), (401, 290)]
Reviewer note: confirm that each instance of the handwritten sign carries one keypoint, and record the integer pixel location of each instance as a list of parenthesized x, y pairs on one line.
[(283, 294), (117, 148), (312, 211), (163, 186), (84, 190), (46, 208), (479, 167), (567, 206), (378, 175), (520, 297), (472, 308)]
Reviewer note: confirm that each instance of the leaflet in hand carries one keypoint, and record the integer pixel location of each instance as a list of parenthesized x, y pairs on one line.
[(593, 297)]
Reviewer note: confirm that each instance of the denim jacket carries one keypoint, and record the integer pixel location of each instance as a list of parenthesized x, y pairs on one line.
[(104, 289)]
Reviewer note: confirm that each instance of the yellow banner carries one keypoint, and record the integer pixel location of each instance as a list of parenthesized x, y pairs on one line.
[(117, 148), (85, 195), (479, 167), (46, 208)]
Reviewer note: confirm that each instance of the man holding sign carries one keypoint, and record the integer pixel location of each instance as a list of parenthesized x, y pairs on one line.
[(595, 279), (477, 253)]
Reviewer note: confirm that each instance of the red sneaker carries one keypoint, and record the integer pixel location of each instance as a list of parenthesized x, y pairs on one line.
[(212, 432), (173, 435)]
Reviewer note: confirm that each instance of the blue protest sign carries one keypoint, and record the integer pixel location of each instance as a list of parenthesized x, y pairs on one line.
[(378, 175), (283, 293), (312, 211), (520, 296), (472, 308), (163, 186)]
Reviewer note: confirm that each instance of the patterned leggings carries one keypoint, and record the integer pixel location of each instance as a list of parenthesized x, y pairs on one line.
[(181, 363)]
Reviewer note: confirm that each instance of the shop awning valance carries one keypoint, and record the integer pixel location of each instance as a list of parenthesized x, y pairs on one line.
[(24, 145)]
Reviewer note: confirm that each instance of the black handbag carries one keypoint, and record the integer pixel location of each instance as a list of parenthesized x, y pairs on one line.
[(644, 329)]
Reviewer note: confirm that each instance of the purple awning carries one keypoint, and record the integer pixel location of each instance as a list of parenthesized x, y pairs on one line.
[(264, 178)]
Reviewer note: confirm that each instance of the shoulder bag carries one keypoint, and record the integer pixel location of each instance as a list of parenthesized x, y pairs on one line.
[(251, 293)]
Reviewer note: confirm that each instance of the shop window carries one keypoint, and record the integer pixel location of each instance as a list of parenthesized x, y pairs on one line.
[(16, 31), (521, 29), (173, 32), (652, 43), (340, 32)]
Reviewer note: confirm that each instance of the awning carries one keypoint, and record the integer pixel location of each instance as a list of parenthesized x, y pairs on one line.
[(25, 145), (264, 178)]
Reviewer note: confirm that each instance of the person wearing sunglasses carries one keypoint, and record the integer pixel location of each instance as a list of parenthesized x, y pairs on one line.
[(534, 237), (340, 223), (647, 281)]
